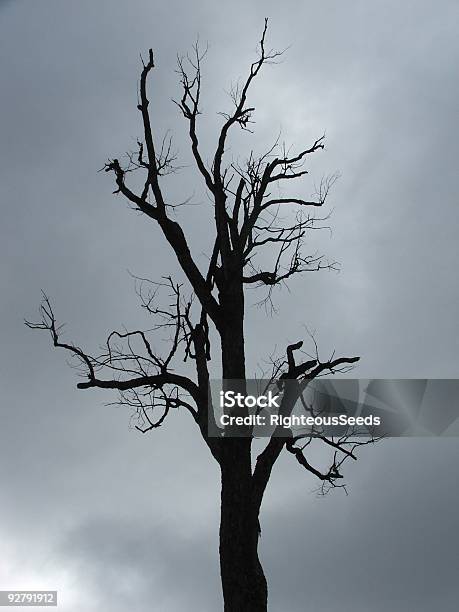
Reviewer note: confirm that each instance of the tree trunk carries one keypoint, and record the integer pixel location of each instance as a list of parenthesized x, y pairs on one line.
[(243, 581)]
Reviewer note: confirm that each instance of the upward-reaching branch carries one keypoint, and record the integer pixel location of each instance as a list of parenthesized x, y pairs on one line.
[(240, 116), (189, 105), (172, 230), (241, 113)]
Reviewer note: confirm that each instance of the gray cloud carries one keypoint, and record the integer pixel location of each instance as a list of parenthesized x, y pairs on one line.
[(142, 564)]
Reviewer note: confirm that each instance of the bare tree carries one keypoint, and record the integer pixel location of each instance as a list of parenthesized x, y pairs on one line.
[(251, 224)]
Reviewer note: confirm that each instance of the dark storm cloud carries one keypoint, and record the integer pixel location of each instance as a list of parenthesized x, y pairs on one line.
[(80, 491)]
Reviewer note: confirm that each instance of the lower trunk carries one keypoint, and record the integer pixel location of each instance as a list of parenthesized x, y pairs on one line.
[(243, 581)]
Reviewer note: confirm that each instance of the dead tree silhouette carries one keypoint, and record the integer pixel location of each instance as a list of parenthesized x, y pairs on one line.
[(249, 221)]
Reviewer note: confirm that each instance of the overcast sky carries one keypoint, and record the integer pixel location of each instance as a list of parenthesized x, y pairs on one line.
[(118, 521)]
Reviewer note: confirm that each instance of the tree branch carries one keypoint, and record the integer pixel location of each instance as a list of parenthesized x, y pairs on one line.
[(304, 373)]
